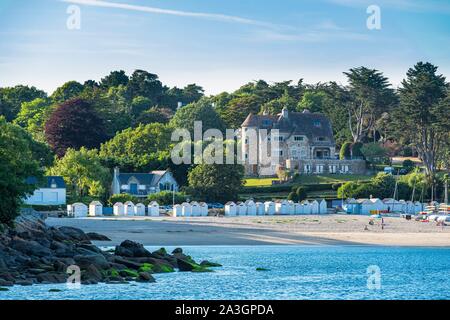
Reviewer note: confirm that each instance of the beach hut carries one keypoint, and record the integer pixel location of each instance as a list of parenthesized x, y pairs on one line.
[(139, 209), (314, 207), (77, 210), (95, 209), (306, 207), (259, 208), (418, 207), (230, 208), (203, 209), (129, 208), (297, 208), (195, 209), (241, 209), (282, 207), (176, 211), (291, 209), (269, 208), (186, 209), (251, 207), (153, 209), (118, 209), (323, 207)]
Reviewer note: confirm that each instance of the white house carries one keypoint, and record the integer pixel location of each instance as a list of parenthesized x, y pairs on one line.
[(176, 211), (241, 209), (251, 207), (95, 209), (269, 208), (230, 208), (139, 209), (186, 209), (203, 209), (129, 208), (118, 209), (153, 209), (259, 208), (52, 192), (195, 209), (77, 210), (140, 185)]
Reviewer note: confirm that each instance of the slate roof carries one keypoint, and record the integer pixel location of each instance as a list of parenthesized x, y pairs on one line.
[(48, 181), (297, 123), (149, 179)]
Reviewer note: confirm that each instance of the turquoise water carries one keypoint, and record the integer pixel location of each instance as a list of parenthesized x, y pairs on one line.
[(296, 272)]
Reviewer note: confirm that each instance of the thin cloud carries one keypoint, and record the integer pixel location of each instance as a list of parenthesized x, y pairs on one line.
[(201, 15)]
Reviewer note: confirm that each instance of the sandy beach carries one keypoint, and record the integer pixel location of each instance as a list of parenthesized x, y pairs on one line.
[(263, 230)]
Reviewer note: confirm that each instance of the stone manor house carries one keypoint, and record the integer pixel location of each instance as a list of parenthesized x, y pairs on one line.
[(306, 145)]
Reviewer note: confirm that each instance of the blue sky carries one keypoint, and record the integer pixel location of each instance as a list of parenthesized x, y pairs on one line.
[(218, 44)]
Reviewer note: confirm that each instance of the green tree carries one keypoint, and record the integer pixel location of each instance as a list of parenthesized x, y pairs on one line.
[(301, 193), (123, 197), (145, 84), (142, 148), (11, 99), (216, 182), (346, 151), (275, 106), (374, 153), (238, 108), (16, 165), (154, 114), (67, 91), (33, 115), (83, 173), (167, 197), (114, 79), (423, 114), (314, 101)]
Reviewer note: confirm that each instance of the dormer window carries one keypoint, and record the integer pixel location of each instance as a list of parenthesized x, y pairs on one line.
[(53, 184), (298, 138), (266, 122), (317, 124), (321, 139)]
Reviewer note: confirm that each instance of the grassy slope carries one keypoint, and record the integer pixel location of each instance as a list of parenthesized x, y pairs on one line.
[(308, 179)]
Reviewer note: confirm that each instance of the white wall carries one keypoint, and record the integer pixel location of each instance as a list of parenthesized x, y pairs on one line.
[(47, 196)]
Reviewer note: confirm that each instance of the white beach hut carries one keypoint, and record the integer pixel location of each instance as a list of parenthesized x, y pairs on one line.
[(282, 207), (95, 209), (203, 209), (176, 211), (251, 207), (259, 208), (77, 210), (315, 207), (269, 208), (418, 206), (195, 209), (186, 209), (323, 207), (241, 209), (139, 209), (306, 207), (118, 209), (297, 208), (291, 207), (230, 208), (153, 209), (129, 208)]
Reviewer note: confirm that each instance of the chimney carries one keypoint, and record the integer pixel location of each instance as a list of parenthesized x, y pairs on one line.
[(179, 105)]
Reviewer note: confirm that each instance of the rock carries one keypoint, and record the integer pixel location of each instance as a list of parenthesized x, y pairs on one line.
[(209, 264), (30, 247), (98, 260), (92, 273), (184, 265), (88, 248), (51, 277), (6, 283), (97, 236), (4, 289), (73, 233), (132, 249), (126, 263), (177, 250), (26, 282), (145, 277)]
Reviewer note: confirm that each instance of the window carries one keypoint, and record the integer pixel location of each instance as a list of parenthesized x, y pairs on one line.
[(298, 138), (266, 122), (281, 153), (280, 138), (321, 139), (317, 123), (319, 168)]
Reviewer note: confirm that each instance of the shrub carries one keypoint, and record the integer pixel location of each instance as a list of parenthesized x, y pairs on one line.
[(123, 197), (345, 152), (301, 193), (408, 165), (356, 150), (167, 197), (293, 196)]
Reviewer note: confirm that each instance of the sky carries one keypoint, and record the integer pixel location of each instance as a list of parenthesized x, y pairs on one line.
[(217, 44)]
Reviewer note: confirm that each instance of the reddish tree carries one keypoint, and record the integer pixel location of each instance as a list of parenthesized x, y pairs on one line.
[(74, 124)]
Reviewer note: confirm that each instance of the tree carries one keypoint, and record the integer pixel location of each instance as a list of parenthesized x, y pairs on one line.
[(33, 115), (154, 114), (197, 111), (114, 79), (142, 148), (83, 173), (237, 109), (423, 114), (408, 165), (314, 101), (16, 165), (167, 197), (371, 95), (67, 91), (292, 196), (74, 124), (123, 197), (138, 105), (301, 193), (216, 182), (12, 98), (275, 106), (145, 84), (346, 151), (374, 153)]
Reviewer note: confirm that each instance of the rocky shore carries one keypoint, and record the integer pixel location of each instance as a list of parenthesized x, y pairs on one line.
[(33, 253)]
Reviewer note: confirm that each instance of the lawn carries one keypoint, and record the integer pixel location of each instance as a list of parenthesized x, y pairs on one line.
[(309, 179)]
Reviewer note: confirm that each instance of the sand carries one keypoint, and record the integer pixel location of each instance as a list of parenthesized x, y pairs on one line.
[(264, 230)]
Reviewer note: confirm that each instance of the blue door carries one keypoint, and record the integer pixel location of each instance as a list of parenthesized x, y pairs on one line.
[(133, 188)]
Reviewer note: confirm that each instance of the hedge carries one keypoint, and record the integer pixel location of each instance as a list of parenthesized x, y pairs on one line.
[(287, 188)]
